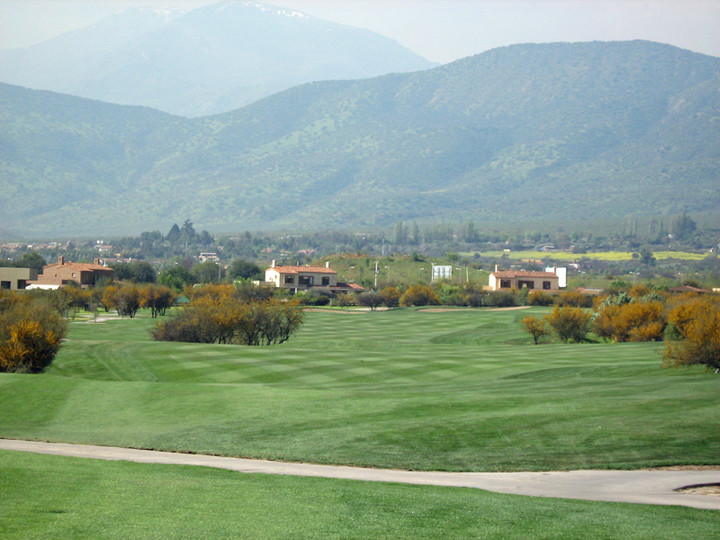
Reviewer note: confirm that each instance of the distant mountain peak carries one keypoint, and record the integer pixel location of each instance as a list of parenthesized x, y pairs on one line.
[(208, 60), (268, 8)]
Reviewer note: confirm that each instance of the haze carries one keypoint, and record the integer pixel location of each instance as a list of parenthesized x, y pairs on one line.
[(441, 31)]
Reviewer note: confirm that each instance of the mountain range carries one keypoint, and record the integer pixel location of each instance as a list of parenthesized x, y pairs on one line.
[(209, 60), (574, 132)]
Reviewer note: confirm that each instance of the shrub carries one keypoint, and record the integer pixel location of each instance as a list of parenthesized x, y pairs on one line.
[(632, 321), (539, 298), (697, 320), (219, 315), (537, 328), (315, 296), (574, 299), (419, 295), (30, 333), (451, 295), (475, 299), (569, 323), (345, 299), (501, 299), (390, 296)]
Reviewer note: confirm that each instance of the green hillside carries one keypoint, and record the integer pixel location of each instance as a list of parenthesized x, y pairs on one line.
[(524, 133)]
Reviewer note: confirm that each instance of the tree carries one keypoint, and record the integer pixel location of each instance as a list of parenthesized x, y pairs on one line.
[(30, 333), (244, 270), (206, 272), (683, 226), (370, 300), (646, 257), (143, 272), (137, 271), (569, 323), (187, 233), (31, 259), (156, 297), (697, 320), (176, 277), (128, 301), (109, 297), (173, 234), (537, 328)]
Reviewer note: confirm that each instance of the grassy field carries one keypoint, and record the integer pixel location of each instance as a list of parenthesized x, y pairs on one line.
[(59, 497), (458, 390), (600, 255)]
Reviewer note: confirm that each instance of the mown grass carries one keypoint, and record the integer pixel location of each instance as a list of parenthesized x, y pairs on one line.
[(60, 497), (458, 390)]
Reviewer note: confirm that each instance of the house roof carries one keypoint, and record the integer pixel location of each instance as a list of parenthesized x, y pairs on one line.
[(687, 288), (303, 270), (511, 274), (82, 267), (354, 287)]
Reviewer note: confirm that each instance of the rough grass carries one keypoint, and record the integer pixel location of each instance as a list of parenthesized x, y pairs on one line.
[(60, 497), (458, 390), (599, 255)]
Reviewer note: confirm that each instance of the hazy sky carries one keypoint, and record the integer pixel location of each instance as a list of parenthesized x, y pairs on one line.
[(439, 30)]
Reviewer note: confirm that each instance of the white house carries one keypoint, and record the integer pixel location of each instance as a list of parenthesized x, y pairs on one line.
[(505, 280), (304, 277)]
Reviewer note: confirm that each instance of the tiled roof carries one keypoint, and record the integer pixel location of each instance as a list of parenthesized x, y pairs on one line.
[(82, 267), (303, 269), (349, 286), (510, 274)]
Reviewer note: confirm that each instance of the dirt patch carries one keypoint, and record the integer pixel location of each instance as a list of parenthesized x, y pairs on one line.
[(706, 489), (684, 468)]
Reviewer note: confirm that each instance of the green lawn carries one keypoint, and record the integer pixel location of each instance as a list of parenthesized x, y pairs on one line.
[(459, 390), (60, 497)]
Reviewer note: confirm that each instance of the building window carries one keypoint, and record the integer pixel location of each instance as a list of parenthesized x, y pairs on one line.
[(4, 284), (289, 279), (505, 284), (325, 281), (528, 284), (547, 285), (306, 281)]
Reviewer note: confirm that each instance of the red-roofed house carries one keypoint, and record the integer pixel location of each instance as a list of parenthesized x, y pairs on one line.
[(305, 277), (505, 280), (62, 273)]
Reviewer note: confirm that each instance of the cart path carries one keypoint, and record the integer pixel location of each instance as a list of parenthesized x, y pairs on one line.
[(648, 486)]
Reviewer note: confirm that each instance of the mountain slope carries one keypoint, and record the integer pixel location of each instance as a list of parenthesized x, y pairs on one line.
[(210, 60), (523, 133)]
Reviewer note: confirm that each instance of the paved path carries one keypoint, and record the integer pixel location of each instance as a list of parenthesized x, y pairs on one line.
[(649, 487)]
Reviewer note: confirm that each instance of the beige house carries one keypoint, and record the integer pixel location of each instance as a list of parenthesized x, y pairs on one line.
[(16, 278), (505, 280), (298, 278), (62, 273)]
